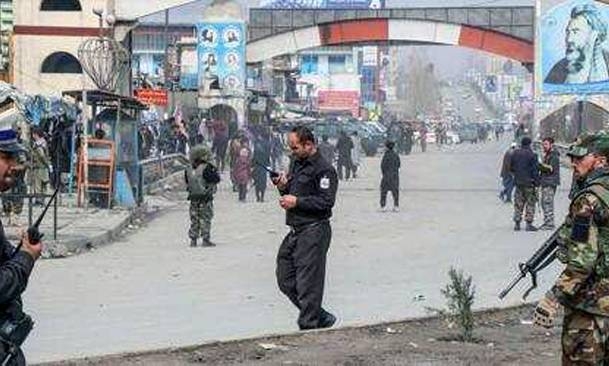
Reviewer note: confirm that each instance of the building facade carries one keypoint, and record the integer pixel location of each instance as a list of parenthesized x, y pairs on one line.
[(46, 38), (6, 29)]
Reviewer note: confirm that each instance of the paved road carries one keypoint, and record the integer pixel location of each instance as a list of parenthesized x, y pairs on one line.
[(152, 290)]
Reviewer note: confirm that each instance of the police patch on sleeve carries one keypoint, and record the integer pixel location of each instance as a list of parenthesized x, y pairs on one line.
[(324, 183)]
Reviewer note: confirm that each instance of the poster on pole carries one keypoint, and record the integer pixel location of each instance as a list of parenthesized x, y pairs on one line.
[(221, 53), (574, 55)]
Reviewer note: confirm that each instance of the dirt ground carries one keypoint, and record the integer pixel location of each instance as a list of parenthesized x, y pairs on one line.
[(504, 337)]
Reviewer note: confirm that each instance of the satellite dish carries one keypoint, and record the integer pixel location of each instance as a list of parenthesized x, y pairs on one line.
[(375, 4)]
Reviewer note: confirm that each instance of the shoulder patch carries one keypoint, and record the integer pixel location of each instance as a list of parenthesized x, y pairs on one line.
[(324, 182)]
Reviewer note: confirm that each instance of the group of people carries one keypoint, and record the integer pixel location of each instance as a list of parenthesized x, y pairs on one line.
[(521, 169), (32, 175)]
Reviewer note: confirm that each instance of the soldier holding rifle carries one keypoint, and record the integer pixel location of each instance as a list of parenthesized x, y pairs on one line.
[(583, 246)]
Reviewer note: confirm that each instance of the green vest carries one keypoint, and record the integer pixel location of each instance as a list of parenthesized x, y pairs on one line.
[(198, 188)]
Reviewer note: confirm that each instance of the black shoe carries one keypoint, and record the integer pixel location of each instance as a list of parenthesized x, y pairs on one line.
[(517, 226), (193, 242), (208, 243), (530, 227), (327, 320)]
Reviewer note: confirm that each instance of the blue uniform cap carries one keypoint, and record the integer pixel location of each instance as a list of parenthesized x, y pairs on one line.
[(8, 141)]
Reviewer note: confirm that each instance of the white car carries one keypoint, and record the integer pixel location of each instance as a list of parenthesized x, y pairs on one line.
[(452, 137)]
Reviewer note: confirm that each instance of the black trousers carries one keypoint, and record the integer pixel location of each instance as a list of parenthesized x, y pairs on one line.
[(395, 192), (301, 270)]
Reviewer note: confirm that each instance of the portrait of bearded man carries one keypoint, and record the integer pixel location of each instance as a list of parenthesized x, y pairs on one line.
[(585, 61)]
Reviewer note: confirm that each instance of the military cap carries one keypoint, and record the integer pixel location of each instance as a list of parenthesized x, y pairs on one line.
[(9, 143), (588, 144), (200, 152)]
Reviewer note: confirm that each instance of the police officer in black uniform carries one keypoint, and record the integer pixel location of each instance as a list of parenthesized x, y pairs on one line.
[(15, 266), (308, 193)]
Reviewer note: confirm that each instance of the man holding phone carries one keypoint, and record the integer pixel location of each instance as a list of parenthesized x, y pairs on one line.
[(308, 193)]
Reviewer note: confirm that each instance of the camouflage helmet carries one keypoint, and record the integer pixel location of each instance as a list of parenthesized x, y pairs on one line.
[(200, 152), (590, 143)]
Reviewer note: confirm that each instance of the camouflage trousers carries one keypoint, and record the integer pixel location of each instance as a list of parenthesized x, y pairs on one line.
[(525, 198), (584, 339), (547, 204), (201, 213)]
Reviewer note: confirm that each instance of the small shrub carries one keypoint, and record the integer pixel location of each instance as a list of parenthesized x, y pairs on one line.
[(459, 294)]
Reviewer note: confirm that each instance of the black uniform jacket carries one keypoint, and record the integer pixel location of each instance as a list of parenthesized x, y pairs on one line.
[(314, 182), (14, 273)]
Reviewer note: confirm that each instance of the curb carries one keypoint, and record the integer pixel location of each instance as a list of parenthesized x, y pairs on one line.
[(245, 339), (67, 248)]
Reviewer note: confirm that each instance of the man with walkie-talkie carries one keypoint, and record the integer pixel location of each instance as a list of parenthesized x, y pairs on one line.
[(16, 264)]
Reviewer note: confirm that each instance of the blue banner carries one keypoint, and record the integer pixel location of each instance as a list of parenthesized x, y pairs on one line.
[(574, 57), (221, 53), (324, 4)]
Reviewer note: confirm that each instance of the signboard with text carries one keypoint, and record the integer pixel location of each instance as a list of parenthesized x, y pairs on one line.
[(339, 100), (152, 96)]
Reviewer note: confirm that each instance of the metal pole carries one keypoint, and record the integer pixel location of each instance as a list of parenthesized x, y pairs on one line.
[(580, 116), (55, 217), (166, 34)]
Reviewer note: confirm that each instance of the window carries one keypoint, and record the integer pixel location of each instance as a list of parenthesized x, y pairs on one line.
[(60, 5), (61, 63), (336, 64), (308, 64)]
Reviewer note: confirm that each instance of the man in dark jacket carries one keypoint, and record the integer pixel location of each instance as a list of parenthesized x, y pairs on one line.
[(550, 179), (327, 150), (344, 147), (524, 167), (390, 182), (308, 193), (507, 179), (15, 266)]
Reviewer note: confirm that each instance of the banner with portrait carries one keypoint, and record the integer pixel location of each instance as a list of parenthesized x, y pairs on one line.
[(574, 51), (221, 54)]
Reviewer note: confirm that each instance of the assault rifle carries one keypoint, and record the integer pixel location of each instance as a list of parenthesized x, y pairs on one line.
[(33, 233), (272, 173), (540, 260)]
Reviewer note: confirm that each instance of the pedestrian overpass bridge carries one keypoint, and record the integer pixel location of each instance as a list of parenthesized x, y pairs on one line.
[(504, 31)]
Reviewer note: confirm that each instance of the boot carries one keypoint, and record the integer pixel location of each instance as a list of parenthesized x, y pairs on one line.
[(207, 243), (547, 226), (530, 227), (193, 242), (516, 225)]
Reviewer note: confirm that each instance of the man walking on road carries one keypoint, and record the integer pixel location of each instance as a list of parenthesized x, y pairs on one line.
[(308, 193), (550, 179), (390, 182), (344, 145), (524, 166), (507, 178), (15, 267)]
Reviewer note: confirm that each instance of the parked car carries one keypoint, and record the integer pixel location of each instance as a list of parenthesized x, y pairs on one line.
[(468, 133), (452, 137)]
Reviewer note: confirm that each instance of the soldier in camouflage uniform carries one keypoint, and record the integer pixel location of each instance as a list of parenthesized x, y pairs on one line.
[(202, 179), (583, 287), (550, 179)]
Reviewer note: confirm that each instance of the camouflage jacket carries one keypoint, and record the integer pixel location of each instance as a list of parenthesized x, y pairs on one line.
[(584, 248)]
